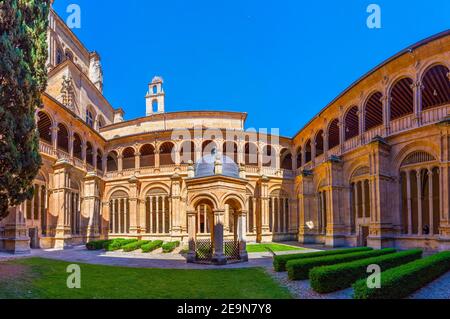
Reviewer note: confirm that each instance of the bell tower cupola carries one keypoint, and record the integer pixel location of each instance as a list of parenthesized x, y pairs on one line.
[(155, 97)]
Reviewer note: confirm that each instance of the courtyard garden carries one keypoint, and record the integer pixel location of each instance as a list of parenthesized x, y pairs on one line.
[(38, 278)]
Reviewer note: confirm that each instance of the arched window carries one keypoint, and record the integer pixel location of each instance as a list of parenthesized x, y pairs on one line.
[(44, 127), (319, 143), (373, 115), (286, 159), (157, 208), (187, 152), (69, 55), (230, 149), (101, 122), (279, 212), (299, 157), (89, 117), (436, 87), (308, 153), (59, 56), (251, 154), (333, 134), (268, 156), (63, 138), (111, 162), (351, 123), (147, 157), (166, 154), (402, 99), (155, 106), (100, 160), (89, 154), (420, 194), (77, 146), (128, 161), (119, 217)]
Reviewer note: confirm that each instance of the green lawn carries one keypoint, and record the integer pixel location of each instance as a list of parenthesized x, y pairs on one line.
[(46, 279), (258, 248)]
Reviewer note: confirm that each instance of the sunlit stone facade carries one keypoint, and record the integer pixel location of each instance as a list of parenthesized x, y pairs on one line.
[(372, 168)]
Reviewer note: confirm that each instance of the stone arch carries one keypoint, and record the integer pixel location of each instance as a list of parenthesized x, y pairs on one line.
[(308, 151), (424, 146), (151, 186), (44, 125), (436, 86), (111, 162), (333, 134), (268, 156), (230, 149), (401, 97), (77, 146), (298, 157), (121, 189), (373, 111), (166, 153), (187, 151), (233, 197), (286, 159), (63, 138), (351, 121), (319, 143), (147, 155), (197, 199)]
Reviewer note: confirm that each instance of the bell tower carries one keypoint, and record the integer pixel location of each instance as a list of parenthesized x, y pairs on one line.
[(155, 97)]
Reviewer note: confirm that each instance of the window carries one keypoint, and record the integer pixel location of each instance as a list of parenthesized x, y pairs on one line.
[(59, 57), (89, 118)]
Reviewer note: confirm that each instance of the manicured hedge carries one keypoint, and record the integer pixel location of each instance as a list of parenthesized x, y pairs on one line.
[(280, 261), (169, 247), (151, 246), (134, 245), (299, 269), (97, 245), (118, 243), (327, 279), (400, 282)]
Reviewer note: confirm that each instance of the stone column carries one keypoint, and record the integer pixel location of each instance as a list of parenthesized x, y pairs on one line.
[(408, 198), (119, 163), (430, 200), (265, 230), (60, 205), (419, 203), (133, 211), (106, 219), (90, 210), (241, 235), (16, 239), (386, 114), (218, 257), (176, 217), (191, 214), (137, 161), (417, 91)]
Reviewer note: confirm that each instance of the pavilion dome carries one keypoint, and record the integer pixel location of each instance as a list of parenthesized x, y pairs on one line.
[(205, 167)]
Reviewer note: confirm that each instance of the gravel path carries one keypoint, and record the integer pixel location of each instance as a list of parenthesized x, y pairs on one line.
[(301, 290), (438, 289)]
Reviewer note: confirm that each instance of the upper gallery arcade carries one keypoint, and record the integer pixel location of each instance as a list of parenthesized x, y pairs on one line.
[(372, 168)]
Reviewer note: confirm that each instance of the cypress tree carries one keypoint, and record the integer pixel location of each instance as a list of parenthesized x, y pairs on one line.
[(23, 78)]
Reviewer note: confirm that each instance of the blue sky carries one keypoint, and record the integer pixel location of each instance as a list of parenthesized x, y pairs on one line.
[(279, 61)]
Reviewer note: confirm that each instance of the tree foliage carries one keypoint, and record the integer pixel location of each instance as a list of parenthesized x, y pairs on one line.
[(23, 77)]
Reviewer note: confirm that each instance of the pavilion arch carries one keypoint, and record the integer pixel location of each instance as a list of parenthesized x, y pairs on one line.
[(333, 134), (44, 125), (318, 143), (308, 151), (401, 98), (128, 158), (238, 201), (373, 111), (167, 154), (436, 86), (187, 152), (147, 156), (251, 152), (111, 162), (119, 212), (351, 122), (199, 199), (63, 138), (298, 157), (230, 149), (77, 146)]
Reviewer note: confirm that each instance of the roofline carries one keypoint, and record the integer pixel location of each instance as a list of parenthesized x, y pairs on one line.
[(373, 70), (243, 116)]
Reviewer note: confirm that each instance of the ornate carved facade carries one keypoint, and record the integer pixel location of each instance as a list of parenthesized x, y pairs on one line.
[(372, 168)]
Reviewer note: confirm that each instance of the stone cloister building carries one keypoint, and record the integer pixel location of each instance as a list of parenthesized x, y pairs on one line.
[(372, 168)]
